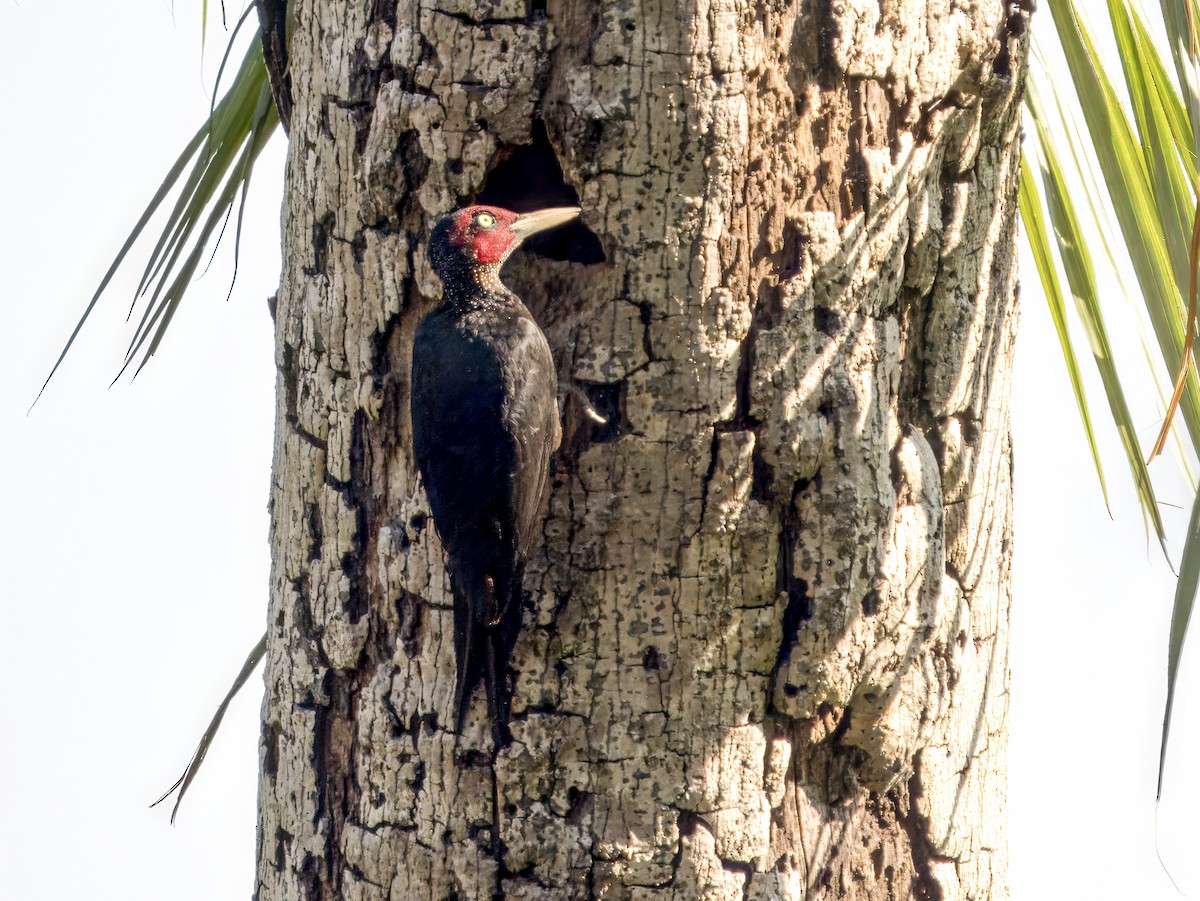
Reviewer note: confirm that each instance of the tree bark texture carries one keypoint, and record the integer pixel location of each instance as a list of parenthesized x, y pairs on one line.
[(765, 647)]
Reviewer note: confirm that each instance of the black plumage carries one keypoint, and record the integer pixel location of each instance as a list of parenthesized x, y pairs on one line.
[(485, 423)]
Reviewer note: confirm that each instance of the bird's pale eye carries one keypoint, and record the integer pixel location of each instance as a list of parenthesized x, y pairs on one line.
[(485, 220)]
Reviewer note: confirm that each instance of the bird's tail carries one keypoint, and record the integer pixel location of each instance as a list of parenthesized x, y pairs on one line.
[(487, 621)]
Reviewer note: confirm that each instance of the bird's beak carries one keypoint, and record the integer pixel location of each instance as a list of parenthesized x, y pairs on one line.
[(531, 223)]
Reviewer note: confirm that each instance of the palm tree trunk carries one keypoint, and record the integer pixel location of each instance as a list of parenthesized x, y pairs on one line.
[(765, 650)]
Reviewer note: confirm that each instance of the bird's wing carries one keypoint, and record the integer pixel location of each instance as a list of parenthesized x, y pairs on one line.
[(532, 417), (458, 430)]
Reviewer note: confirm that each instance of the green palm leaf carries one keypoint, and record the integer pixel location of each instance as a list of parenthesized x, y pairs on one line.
[(212, 169), (1039, 243), (1072, 245), (1146, 155)]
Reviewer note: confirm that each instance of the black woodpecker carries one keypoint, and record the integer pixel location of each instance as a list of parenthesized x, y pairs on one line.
[(485, 422)]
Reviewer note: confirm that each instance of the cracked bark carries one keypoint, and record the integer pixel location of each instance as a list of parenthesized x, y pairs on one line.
[(765, 645)]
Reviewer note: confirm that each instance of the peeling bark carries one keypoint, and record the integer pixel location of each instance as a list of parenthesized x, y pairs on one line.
[(765, 649)]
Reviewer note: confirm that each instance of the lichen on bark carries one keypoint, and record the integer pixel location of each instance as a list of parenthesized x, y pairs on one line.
[(765, 643)]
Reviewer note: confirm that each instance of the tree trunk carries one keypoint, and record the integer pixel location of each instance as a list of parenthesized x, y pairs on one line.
[(765, 646)]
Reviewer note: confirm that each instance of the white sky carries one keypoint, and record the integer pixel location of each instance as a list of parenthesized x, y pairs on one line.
[(134, 539)]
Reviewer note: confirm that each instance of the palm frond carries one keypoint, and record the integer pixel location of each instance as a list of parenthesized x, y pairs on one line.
[(184, 782), (213, 167), (1076, 259), (1143, 141), (1039, 243)]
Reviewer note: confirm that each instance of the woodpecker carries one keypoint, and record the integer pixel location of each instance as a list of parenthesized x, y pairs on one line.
[(485, 422)]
